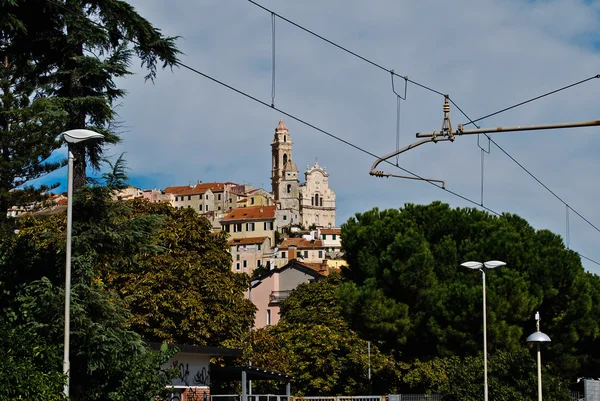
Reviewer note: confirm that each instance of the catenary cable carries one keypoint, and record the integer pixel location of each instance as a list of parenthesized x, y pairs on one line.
[(316, 128), (529, 172), (452, 101)]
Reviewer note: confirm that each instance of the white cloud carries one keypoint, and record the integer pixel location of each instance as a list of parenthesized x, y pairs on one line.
[(486, 54)]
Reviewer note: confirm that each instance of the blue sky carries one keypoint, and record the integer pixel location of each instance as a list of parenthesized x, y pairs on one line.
[(486, 54)]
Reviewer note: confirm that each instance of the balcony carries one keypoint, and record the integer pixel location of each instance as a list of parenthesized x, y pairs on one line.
[(277, 297)]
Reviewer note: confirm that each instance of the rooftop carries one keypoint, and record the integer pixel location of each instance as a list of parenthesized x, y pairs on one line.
[(251, 213), (300, 243), (247, 241), (337, 231)]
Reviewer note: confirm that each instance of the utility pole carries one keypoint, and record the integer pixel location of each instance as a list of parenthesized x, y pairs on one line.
[(369, 355), (448, 134)]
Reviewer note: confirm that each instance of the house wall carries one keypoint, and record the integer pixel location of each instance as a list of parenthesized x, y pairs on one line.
[(194, 369), (246, 230), (260, 296)]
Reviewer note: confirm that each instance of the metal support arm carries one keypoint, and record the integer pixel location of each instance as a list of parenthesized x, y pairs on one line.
[(448, 134), (379, 173), (461, 131)]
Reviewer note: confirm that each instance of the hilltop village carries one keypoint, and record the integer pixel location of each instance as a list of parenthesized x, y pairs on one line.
[(268, 229), (293, 221)]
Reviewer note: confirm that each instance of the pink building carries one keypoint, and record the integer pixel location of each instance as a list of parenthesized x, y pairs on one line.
[(267, 292)]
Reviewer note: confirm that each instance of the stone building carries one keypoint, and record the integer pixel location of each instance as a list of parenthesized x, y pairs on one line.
[(311, 203)]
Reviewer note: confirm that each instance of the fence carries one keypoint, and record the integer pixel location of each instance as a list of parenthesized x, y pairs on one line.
[(274, 397)]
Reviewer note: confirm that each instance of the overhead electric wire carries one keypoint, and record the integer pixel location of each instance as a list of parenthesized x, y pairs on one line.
[(308, 124), (451, 100), (345, 49), (525, 169), (531, 100)]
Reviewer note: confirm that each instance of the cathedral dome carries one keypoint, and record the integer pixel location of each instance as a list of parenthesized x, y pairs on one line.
[(290, 166)]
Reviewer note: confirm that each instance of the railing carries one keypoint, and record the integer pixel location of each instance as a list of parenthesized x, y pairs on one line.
[(278, 296), (274, 397)]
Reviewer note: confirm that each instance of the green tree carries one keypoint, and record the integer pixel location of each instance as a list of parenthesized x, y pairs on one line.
[(79, 48), (26, 118), (182, 289), (512, 376), (409, 261), (313, 343), (106, 354)]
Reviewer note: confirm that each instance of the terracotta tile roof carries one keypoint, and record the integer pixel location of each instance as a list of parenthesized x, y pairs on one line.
[(247, 241), (300, 243), (337, 231), (251, 213), (281, 126), (322, 269), (196, 189)]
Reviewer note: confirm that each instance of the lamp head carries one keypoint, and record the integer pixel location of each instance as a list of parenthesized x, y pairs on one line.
[(472, 265), (492, 264), (538, 337), (79, 135)]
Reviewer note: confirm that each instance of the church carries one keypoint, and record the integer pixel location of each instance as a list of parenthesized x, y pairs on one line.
[(309, 204)]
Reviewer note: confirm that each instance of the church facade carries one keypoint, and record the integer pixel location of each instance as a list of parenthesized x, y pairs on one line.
[(308, 204)]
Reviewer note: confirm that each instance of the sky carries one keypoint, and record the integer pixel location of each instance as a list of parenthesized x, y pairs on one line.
[(485, 54)]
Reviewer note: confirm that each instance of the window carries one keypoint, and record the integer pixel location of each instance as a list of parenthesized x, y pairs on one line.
[(206, 196), (285, 138), (317, 200), (289, 188), (200, 207), (237, 257), (206, 208), (324, 236), (284, 159), (249, 226), (219, 208), (333, 236), (237, 266), (320, 254), (189, 206), (252, 201), (238, 227), (298, 254), (268, 225), (306, 254), (284, 218), (189, 197), (283, 254), (258, 263), (268, 316), (268, 264), (321, 202), (312, 200), (259, 245), (219, 197), (245, 263)]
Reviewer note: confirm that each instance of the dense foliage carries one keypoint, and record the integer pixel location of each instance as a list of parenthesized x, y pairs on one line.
[(128, 257), (313, 343), (60, 60), (407, 262), (405, 291)]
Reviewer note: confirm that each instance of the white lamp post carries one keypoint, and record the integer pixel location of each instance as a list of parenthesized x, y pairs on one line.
[(538, 337), (71, 137), (480, 266)]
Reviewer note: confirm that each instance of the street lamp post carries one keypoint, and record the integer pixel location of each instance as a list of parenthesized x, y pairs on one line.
[(480, 266), (538, 337), (71, 137)]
